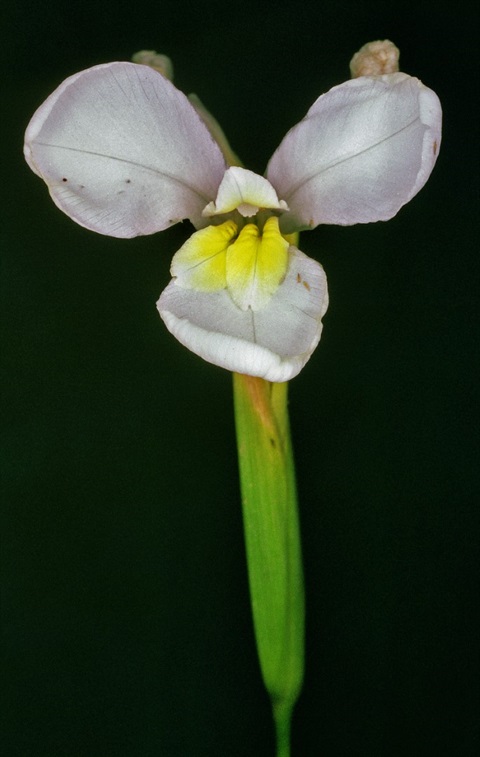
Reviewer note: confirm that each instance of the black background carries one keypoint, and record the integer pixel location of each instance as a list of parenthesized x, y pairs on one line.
[(125, 613)]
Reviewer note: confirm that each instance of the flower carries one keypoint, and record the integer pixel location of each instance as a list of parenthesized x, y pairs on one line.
[(125, 153)]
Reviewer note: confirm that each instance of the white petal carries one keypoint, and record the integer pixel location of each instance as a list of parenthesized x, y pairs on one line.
[(364, 149), (273, 343), (244, 191), (123, 151)]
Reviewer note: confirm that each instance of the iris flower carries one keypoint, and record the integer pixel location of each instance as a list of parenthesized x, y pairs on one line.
[(125, 153)]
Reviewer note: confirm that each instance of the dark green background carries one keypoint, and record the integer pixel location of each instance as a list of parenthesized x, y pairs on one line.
[(125, 615)]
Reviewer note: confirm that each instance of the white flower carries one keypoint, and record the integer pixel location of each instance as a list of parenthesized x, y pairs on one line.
[(124, 153)]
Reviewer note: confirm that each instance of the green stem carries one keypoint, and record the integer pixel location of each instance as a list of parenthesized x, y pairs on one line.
[(267, 477), (282, 718)]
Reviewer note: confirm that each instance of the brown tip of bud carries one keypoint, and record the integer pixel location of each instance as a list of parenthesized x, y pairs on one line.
[(375, 58)]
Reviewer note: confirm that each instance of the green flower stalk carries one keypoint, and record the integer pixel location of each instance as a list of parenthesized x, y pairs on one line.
[(272, 538)]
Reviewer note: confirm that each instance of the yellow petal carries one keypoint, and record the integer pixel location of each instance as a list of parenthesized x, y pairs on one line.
[(256, 264), (201, 262)]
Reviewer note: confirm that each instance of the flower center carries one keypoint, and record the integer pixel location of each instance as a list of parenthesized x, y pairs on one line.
[(249, 259), (251, 263)]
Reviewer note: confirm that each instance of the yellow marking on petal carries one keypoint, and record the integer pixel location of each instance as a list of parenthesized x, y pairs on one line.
[(256, 264), (201, 262)]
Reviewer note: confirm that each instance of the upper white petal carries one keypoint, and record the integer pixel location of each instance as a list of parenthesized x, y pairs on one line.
[(245, 191), (363, 150), (123, 151), (273, 343)]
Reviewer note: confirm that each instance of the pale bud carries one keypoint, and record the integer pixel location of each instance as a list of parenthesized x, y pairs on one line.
[(160, 63)]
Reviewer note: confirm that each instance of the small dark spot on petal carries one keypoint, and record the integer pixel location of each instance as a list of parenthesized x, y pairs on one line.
[(435, 147), (64, 179), (128, 181), (299, 278), (306, 285)]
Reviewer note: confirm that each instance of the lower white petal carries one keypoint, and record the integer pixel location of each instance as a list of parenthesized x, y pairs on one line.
[(273, 343)]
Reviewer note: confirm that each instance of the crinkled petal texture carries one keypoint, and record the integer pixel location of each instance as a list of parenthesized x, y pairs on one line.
[(273, 343), (363, 150), (123, 152)]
